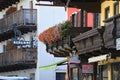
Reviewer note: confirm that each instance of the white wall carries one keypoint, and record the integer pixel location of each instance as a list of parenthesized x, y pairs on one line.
[(47, 17)]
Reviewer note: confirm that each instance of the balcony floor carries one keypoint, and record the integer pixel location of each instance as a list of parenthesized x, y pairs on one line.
[(17, 66), (23, 28)]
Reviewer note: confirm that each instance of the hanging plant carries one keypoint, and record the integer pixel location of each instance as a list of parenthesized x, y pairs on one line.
[(55, 33), (47, 36), (65, 29)]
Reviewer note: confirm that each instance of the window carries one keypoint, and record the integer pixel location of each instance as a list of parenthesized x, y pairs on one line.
[(79, 19), (74, 19), (32, 76), (60, 76), (103, 72), (116, 8), (116, 71), (107, 12), (74, 73), (96, 19)]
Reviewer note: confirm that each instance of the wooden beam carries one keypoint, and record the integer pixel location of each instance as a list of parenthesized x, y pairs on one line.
[(6, 3), (57, 5)]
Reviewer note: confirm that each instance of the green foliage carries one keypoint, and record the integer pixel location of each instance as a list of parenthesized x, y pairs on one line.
[(65, 29)]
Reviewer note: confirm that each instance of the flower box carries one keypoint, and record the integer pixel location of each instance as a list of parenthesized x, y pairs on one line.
[(58, 39)]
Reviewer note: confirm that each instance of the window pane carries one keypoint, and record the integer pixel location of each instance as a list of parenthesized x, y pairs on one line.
[(116, 8), (74, 73), (107, 13), (116, 71), (105, 72)]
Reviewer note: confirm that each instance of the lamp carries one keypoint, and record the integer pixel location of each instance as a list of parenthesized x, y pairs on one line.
[(74, 60)]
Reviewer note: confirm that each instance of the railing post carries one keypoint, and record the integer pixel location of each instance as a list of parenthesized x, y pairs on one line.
[(23, 16)]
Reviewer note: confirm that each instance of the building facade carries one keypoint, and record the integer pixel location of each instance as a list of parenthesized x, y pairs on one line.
[(98, 48), (18, 44), (20, 52), (81, 22)]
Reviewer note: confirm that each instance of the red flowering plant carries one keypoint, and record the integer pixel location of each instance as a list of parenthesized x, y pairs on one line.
[(57, 32), (47, 36), (54, 33)]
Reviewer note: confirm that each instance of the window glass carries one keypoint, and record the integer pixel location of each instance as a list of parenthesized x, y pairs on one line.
[(32, 76), (116, 8), (116, 71), (107, 12), (74, 73), (60, 76), (105, 72)]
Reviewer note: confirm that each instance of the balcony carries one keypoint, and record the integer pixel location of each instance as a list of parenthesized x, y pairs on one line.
[(26, 19), (58, 39), (62, 48), (18, 59), (112, 31), (90, 41)]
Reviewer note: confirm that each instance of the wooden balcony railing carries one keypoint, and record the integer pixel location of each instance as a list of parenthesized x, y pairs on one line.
[(88, 41), (112, 31), (18, 56), (61, 47), (22, 17)]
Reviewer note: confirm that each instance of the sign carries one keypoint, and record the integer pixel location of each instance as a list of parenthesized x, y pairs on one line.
[(87, 68), (118, 44), (17, 42), (23, 44), (98, 58)]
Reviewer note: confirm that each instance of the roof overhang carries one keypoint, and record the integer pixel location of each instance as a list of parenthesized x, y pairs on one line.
[(88, 5), (6, 3)]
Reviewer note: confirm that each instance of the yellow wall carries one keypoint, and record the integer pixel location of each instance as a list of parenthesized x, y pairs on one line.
[(103, 6), (109, 62)]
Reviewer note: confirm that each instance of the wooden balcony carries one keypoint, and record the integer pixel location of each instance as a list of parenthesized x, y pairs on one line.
[(112, 31), (89, 42), (63, 47), (18, 59), (26, 19)]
